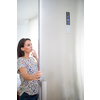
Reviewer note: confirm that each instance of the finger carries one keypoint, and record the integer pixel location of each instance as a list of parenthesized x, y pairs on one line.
[(37, 79), (39, 75), (32, 54), (33, 50), (38, 72)]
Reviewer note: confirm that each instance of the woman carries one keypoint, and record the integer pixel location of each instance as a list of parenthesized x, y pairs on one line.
[(27, 68)]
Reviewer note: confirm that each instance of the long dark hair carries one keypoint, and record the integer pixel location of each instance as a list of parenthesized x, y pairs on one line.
[(21, 43)]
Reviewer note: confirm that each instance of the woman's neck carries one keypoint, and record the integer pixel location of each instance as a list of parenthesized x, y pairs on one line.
[(26, 56)]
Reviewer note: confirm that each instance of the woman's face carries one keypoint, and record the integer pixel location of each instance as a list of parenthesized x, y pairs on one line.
[(27, 46)]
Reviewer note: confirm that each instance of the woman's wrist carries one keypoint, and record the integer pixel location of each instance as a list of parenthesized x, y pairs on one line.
[(36, 58)]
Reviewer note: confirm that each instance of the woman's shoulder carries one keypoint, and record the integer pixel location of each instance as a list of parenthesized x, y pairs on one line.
[(21, 61), (20, 58)]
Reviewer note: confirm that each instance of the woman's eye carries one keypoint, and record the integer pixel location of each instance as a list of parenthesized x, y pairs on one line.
[(29, 44)]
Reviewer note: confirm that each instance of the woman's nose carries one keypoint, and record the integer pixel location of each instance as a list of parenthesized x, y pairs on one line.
[(31, 46)]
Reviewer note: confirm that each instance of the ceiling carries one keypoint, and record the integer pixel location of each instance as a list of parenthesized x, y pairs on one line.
[(26, 10)]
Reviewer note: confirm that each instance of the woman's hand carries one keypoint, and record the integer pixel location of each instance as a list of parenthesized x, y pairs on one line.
[(34, 54), (37, 76)]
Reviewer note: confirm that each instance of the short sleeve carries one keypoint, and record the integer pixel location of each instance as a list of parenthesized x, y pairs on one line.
[(20, 64)]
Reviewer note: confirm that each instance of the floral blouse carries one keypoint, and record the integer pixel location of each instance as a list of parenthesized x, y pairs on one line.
[(30, 87)]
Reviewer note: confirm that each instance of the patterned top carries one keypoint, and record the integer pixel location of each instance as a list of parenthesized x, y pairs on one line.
[(30, 87)]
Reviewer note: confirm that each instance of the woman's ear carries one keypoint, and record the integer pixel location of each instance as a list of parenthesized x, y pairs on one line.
[(22, 48)]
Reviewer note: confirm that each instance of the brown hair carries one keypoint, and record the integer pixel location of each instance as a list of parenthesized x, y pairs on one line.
[(21, 43)]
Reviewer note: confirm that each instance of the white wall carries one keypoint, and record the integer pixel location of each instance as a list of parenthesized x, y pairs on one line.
[(59, 55), (22, 30), (33, 32)]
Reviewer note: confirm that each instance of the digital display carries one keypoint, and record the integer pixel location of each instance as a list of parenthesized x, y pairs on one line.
[(68, 30), (67, 18), (68, 23)]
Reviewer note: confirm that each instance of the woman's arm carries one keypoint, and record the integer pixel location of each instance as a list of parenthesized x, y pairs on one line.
[(35, 56), (37, 61), (29, 77)]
